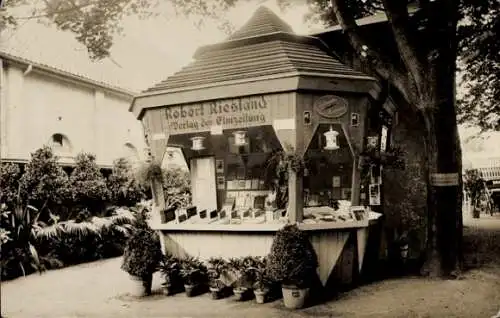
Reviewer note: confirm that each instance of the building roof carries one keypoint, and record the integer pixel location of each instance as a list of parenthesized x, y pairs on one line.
[(65, 74), (46, 46), (264, 21), (264, 46)]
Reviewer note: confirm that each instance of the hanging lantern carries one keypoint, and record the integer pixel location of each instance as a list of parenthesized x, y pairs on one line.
[(240, 138), (331, 139), (197, 143)]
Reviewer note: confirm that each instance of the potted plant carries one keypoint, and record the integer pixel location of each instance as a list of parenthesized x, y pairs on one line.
[(292, 262), (243, 283), (141, 258), (170, 269), (216, 268), (277, 172), (194, 275), (261, 284)]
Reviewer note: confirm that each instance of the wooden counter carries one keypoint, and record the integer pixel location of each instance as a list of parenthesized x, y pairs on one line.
[(265, 227), (239, 240)]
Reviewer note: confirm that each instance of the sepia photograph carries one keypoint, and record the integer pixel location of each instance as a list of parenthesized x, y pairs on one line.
[(250, 158)]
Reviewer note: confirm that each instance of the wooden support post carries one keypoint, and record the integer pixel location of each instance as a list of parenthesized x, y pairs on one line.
[(295, 197), (356, 181), (158, 207)]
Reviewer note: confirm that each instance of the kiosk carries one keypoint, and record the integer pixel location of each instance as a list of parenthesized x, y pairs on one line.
[(264, 96)]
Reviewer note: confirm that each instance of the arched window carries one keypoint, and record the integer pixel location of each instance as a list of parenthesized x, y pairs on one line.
[(60, 144)]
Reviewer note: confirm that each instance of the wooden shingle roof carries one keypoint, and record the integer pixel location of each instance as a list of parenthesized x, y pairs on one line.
[(264, 46), (263, 21)]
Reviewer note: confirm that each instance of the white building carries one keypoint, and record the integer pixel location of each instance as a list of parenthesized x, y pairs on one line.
[(41, 105)]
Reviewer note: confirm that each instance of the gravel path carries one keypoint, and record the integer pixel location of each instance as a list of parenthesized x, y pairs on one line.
[(99, 289)]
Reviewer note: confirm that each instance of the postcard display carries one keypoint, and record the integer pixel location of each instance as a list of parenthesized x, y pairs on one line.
[(239, 136)]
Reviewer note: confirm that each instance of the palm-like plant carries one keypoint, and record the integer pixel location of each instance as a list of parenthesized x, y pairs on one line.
[(19, 239)]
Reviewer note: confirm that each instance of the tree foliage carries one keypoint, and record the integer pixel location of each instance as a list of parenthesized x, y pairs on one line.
[(44, 183), (123, 188), (480, 63), (88, 186), (9, 183)]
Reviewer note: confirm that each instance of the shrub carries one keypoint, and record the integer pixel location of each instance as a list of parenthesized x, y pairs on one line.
[(44, 183), (88, 186), (124, 190), (9, 183), (292, 260), (142, 254)]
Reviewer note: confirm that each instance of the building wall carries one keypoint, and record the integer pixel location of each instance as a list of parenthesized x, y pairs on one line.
[(37, 105)]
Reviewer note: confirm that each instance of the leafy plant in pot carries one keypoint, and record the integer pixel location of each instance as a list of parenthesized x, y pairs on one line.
[(216, 268), (261, 285), (243, 284), (141, 258), (170, 269), (292, 262), (194, 275)]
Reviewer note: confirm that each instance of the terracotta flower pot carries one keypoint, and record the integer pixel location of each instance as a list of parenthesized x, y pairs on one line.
[(170, 289), (260, 295), (217, 293), (190, 290), (240, 293), (294, 297)]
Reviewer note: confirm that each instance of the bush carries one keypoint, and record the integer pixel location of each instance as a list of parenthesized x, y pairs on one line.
[(88, 186), (44, 183), (123, 188), (292, 260), (142, 255), (9, 183)]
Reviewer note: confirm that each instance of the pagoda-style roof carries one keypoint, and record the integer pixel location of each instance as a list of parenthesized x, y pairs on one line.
[(263, 21), (265, 46)]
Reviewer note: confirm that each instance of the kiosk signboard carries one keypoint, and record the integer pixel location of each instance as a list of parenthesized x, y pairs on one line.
[(227, 114)]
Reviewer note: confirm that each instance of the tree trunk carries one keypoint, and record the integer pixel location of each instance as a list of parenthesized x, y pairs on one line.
[(437, 102), (444, 198)]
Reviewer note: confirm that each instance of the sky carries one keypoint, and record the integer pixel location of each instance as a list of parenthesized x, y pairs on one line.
[(148, 51)]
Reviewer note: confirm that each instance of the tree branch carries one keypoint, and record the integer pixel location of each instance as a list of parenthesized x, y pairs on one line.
[(54, 11), (381, 65), (397, 14)]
